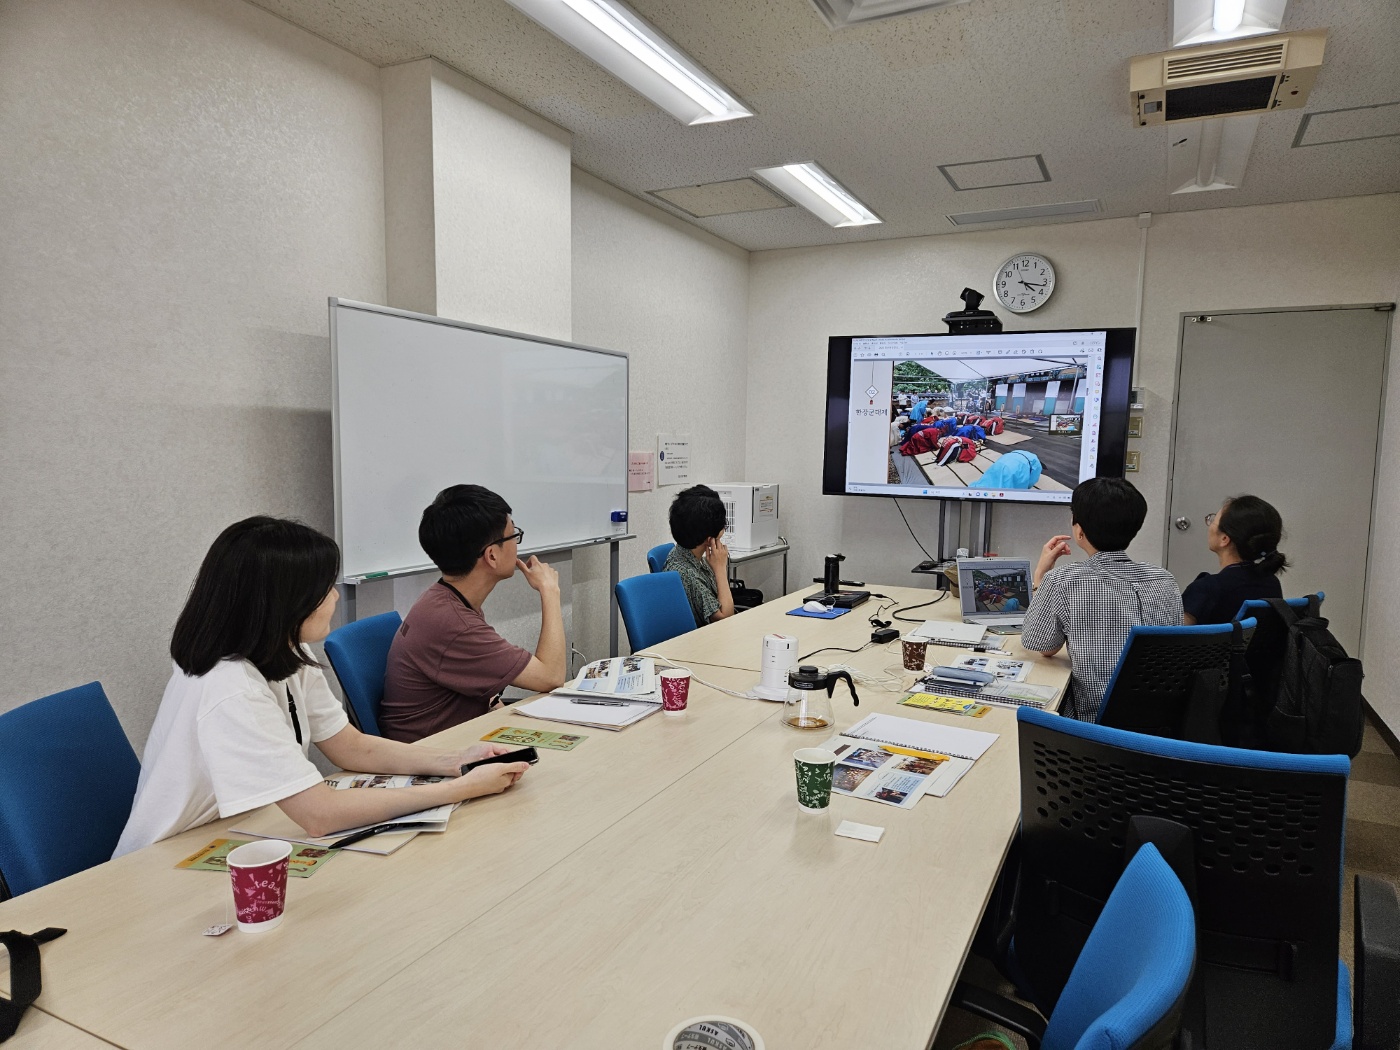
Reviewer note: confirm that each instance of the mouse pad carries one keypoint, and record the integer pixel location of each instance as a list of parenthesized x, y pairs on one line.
[(830, 614)]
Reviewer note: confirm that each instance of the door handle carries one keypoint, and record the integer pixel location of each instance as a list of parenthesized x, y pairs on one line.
[(1183, 523)]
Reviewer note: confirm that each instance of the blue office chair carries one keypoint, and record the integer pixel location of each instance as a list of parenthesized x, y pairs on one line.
[(1128, 986), (1264, 844), (359, 654), (654, 608), (656, 557), (67, 780), (1173, 681)]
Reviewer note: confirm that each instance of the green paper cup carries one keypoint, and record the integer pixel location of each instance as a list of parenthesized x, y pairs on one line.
[(814, 767)]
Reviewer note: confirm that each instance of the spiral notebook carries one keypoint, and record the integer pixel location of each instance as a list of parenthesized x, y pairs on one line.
[(969, 744)]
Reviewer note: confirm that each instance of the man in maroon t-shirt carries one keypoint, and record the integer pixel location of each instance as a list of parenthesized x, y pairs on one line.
[(447, 664)]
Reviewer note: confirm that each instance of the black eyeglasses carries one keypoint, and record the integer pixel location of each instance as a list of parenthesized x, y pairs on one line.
[(517, 535)]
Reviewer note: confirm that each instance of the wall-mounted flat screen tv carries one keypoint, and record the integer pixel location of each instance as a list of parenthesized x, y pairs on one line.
[(1015, 416)]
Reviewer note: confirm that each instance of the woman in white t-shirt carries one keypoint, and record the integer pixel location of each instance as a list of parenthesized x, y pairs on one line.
[(247, 700)]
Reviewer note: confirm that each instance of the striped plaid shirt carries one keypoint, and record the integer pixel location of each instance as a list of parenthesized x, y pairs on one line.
[(1090, 605)]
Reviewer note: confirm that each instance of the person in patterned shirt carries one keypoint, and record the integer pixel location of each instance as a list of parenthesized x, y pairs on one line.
[(700, 556), (1091, 605)]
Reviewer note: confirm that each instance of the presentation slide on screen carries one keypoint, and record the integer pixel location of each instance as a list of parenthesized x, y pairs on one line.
[(978, 416)]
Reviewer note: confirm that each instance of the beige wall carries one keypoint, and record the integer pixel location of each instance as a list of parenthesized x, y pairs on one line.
[(675, 298), (1322, 252), (184, 183)]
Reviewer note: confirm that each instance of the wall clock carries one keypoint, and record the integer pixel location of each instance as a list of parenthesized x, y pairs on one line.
[(1024, 282)]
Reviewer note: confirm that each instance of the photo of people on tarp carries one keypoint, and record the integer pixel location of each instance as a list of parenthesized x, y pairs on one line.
[(1005, 424)]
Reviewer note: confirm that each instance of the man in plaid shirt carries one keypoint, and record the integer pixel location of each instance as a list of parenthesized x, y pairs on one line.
[(1090, 605)]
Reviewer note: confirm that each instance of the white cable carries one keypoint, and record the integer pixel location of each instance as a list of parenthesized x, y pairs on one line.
[(696, 678)]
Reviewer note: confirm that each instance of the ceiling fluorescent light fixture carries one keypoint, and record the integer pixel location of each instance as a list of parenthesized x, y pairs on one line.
[(811, 188), (1210, 154), (620, 41), (1211, 21)]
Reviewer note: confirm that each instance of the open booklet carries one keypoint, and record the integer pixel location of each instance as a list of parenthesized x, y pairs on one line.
[(607, 694), (621, 677), (271, 823)]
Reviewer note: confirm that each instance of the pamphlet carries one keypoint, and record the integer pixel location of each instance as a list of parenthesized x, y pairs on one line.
[(620, 676), (953, 705), (214, 857), (871, 772), (535, 738), (1004, 669)]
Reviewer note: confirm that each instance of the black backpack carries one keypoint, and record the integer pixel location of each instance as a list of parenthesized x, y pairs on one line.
[(1318, 708)]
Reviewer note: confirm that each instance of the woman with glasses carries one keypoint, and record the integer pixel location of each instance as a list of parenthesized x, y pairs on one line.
[(447, 664), (1244, 534), (247, 700)]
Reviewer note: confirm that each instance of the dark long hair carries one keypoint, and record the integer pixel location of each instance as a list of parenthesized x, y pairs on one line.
[(259, 582), (1255, 528)]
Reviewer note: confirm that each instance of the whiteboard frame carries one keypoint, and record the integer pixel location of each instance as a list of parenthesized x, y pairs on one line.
[(413, 570)]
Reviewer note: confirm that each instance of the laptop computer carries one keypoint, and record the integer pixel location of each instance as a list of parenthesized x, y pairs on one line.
[(994, 591)]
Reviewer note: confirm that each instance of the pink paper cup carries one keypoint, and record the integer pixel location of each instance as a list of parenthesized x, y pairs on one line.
[(258, 871), (675, 688)]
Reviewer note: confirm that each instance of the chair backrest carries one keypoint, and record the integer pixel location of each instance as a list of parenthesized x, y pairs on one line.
[(1162, 672), (656, 557), (67, 780), (1128, 985), (1267, 834), (359, 654), (654, 608), (1264, 658)]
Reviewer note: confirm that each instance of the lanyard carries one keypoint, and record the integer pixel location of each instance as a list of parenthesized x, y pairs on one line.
[(460, 596)]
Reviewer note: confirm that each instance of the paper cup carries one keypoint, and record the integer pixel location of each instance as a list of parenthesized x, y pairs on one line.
[(711, 1032), (675, 688), (915, 652), (258, 871), (814, 769)]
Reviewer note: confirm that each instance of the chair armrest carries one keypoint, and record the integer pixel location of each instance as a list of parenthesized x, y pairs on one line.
[(1376, 999), (1020, 1019)]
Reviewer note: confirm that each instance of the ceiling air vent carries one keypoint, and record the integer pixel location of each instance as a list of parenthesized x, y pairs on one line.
[(1217, 80), (1265, 57)]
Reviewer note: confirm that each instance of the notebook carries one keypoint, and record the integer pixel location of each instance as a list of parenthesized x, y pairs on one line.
[(951, 632), (969, 744)]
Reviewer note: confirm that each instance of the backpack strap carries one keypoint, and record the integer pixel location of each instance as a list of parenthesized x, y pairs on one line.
[(1287, 613), (25, 980)]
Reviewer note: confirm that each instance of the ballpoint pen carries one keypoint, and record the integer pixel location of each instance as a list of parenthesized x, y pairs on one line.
[(411, 825), (599, 703)]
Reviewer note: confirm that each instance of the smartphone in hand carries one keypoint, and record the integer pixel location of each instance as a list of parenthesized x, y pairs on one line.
[(524, 754)]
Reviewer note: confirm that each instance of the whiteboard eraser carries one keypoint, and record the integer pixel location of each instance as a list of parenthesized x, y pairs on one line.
[(619, 516)]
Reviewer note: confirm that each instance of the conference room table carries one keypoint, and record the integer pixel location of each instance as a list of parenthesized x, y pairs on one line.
[(648, 876)]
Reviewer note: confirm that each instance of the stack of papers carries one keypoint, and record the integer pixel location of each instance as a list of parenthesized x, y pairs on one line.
[(607, 694), (897, 761)]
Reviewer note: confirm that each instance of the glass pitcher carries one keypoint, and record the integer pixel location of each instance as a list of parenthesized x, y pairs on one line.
[(810, 689)]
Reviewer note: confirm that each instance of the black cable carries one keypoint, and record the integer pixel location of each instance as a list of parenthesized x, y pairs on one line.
[(897, 507), (911, 608), (835, 649)]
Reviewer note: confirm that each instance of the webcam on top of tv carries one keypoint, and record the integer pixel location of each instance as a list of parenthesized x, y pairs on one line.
[(971, 318)]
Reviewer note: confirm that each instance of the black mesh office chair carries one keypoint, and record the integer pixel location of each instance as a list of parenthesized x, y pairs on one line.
[(1266, 845), (1173, 681)]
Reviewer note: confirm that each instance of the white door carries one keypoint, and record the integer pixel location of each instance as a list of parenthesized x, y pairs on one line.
[(1285, 406)]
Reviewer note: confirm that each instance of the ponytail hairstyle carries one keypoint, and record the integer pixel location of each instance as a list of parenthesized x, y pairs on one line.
[(259, 582), (1255, 528)]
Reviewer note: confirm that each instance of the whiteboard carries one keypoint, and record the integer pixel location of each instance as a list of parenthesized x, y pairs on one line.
[(420, 403)]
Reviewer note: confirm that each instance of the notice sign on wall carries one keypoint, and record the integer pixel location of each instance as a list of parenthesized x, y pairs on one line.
[(672, 459), (641, 471)]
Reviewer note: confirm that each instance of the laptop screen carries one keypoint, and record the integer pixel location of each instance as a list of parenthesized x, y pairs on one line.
[(994, 586)]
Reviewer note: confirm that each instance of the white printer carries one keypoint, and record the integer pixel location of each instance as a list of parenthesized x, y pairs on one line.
[(750, 514)]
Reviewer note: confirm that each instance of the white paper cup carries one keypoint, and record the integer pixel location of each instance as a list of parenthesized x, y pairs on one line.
[(710, 1031), (258, 874)]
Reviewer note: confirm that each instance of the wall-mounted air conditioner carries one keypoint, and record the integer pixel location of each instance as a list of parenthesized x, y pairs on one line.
[(1215, 80)]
